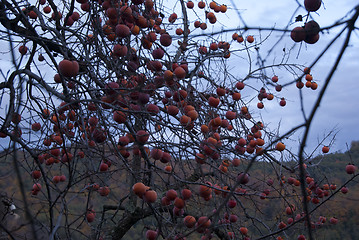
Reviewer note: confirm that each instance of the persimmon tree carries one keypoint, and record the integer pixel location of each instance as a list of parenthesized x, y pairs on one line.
[(147, 113)]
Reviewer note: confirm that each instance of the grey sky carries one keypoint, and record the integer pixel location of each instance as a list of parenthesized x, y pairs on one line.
[(339, 108)]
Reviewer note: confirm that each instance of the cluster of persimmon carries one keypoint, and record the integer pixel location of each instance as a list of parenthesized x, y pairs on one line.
[(65, 120), (310, 84), (177, 203), (269, 96), (308, 33), (214, 46), (253, 142), (240, 39), (209, 15), (135, 100), (144, 192), (309, 80), (315, 193), (123, 19), (74, 17), (207, 189), (55, 153), (171, 198), (206, 192), (262, 95)]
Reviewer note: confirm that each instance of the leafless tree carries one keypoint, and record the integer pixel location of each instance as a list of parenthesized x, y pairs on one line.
[(137, 117)]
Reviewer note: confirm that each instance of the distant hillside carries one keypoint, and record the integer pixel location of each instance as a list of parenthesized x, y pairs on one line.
[(345, 207), (328, 168)]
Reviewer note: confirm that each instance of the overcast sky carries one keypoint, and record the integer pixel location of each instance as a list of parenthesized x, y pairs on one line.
[(339, 109), (340, 106)]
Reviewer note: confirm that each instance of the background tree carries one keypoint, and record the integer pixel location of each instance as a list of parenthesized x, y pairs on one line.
[(125, 115)]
